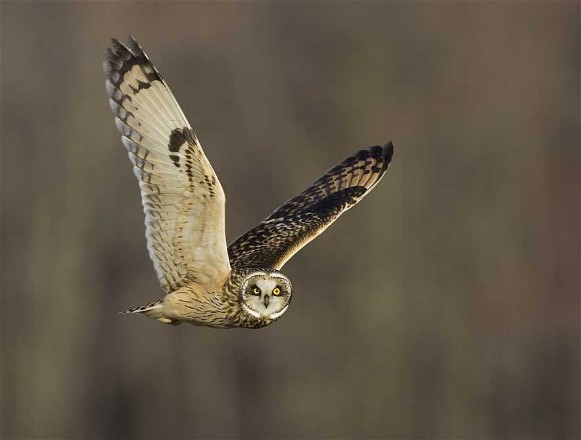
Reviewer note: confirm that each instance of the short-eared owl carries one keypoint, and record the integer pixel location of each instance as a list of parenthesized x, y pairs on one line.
[(206, 282)]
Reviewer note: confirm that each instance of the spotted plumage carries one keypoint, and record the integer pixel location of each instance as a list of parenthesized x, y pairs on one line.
[(207, 283)]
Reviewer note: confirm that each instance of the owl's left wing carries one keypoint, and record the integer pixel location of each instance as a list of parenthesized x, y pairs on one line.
[(301, 219)]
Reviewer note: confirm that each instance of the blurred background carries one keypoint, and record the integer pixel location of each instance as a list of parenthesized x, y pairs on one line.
[(445, 305)]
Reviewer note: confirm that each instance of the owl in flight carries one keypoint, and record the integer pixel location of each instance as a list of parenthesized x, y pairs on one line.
[(206, 282)]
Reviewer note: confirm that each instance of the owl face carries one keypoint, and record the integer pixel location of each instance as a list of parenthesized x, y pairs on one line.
[(266, 294)]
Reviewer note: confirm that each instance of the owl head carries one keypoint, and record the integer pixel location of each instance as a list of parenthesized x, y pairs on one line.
[(266, 295)]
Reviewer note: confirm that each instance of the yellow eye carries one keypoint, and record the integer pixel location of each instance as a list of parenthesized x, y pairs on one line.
[(276, 291), (256, 291)]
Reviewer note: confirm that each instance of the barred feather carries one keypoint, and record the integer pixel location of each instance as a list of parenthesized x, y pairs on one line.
[(182, 197), (301, 219)]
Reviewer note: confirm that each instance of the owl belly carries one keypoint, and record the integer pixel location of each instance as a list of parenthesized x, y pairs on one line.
[(194, 305)]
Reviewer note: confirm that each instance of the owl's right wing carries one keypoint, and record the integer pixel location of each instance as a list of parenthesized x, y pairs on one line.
[(301, 219), (182, 198)]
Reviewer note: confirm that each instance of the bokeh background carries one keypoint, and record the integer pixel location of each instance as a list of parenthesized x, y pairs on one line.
[(445, 305)]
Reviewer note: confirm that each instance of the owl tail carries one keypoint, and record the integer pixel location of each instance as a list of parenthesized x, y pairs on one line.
[(153, 310)]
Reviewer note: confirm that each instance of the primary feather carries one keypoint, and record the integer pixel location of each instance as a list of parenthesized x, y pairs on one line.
[(304, 217)]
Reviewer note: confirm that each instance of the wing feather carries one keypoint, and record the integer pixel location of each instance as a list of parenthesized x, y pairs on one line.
[(182, 198), (301, 219)]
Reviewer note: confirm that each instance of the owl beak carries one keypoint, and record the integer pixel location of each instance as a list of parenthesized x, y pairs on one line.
[(266, 300)]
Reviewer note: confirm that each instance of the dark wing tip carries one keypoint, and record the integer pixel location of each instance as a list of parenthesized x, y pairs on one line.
[(387, 155), (388, 151), (382, 154), (119, 48), (117, 56), (119, 51), (384, 151), (121, 58), (135, 46)]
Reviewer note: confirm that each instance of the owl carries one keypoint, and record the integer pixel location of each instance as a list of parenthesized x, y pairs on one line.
[(205, 281)]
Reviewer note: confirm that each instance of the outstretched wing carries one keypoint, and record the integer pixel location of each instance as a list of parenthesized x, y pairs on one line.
[(182, 198), (282, 234)]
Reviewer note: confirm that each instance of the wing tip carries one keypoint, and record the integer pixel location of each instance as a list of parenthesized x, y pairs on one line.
[(387, 154), (118, 51), (388, 151), (135, 46), (383, 153), (117, 57), (121, 58)]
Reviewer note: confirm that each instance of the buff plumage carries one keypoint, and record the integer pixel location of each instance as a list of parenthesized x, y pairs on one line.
[(205, 282)]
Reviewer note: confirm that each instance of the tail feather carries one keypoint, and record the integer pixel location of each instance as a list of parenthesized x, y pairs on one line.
[(153, 310)]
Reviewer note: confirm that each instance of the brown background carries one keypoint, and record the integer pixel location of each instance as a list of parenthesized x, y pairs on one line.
[(446, 305)]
